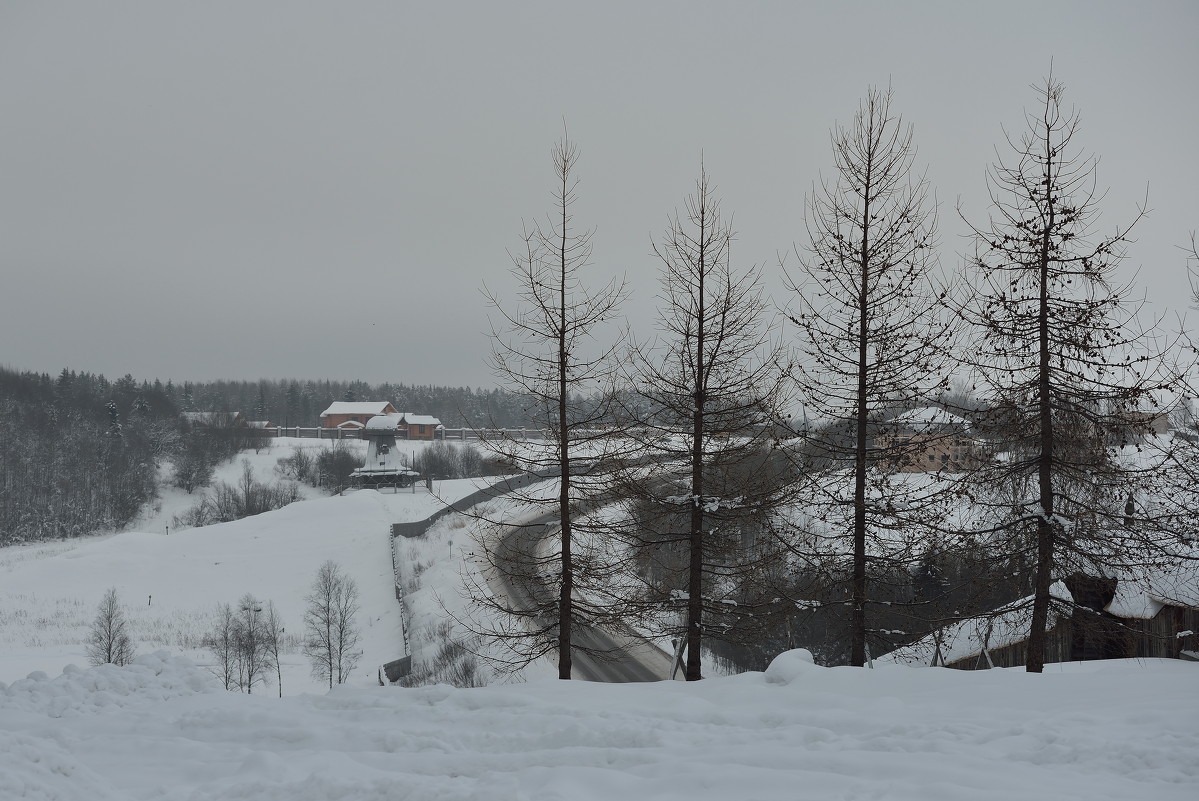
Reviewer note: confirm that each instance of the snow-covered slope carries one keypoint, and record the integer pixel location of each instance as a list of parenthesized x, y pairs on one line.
[(170, 584)]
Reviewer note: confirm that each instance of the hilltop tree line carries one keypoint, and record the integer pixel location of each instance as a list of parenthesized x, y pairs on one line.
[(82, 453)]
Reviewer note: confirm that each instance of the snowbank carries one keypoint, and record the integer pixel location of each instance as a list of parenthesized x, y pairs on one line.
[(158, 730)]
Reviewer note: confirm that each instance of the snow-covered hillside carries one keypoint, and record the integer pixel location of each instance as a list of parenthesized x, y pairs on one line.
[(170, 583)]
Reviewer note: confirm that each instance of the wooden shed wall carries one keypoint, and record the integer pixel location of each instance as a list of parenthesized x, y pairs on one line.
[(1089, 636)]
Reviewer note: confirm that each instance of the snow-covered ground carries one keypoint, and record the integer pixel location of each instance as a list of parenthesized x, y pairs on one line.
[(170, 584), (161, 729)]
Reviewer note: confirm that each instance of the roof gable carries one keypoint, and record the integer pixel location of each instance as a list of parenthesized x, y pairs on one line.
[(357, 407)]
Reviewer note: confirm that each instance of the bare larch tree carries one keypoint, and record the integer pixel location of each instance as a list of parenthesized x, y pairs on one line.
[(875, 338), (709, 392), (1064, 359), (548, 346)]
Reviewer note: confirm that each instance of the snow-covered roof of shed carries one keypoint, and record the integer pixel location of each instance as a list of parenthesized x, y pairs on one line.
[(391, 422), (1143, 594), (356, 407), (930, 417), (1007, 625), (419, 419)]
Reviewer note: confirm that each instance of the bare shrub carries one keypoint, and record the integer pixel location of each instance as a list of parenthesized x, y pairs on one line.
[(300, 466), (109, 642), (446, 460), (229, 502), (334, 467), (454, 664)]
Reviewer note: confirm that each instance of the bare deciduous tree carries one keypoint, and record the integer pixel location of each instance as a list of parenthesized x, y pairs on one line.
[(252, 637), (274, 638), (709, 392), (876, 339), (548, 347), (245, 643), (1064, 360), (330, 634), (1192, 265), (222, 642), (109, 641)]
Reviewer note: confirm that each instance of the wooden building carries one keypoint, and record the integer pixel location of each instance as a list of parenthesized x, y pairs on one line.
[(420, 426), (1150, 616)]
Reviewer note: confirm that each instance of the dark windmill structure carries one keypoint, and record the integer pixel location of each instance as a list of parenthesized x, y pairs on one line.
[(384, 466)]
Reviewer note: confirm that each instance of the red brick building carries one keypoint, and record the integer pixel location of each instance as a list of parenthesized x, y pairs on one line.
[(420, 426), (353, 414)]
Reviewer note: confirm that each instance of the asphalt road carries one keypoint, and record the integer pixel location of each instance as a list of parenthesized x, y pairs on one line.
[(599, 655)]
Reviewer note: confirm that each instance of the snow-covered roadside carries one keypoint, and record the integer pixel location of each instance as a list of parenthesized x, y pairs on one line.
[(442, 570), (160, 730)]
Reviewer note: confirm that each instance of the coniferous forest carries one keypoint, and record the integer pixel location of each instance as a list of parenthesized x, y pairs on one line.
[(81, 452)]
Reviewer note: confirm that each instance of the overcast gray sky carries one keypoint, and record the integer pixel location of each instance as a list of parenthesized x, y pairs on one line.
[(244, 190)]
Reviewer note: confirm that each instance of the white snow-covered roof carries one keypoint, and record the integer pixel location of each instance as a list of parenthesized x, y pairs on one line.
[(350, 424), (419, 419), (1007, 625), (930, 417), (391, 422), (1144, 594), (398, 471), (356, 407)]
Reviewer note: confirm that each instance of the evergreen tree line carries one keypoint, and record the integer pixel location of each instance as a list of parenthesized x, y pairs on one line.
[(79, 452)]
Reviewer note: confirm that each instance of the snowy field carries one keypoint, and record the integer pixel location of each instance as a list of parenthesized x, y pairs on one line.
[(170, 584), (160, 729), (163, 728)]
